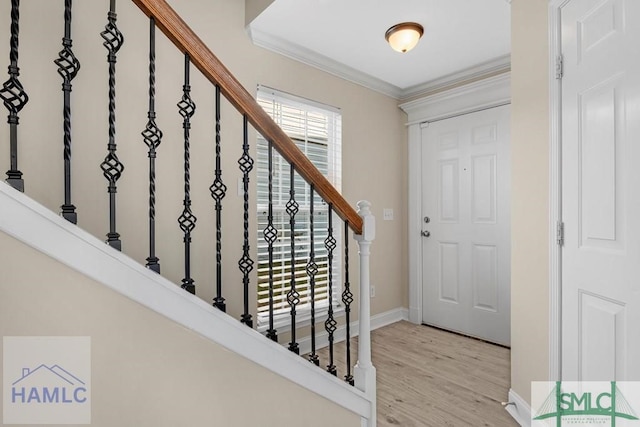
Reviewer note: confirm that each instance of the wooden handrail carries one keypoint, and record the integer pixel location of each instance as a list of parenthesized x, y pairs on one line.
[(183, 37)]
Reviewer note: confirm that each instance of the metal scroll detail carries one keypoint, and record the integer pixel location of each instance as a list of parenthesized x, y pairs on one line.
[(68, 67), (293, 296), (330, 325), (218, 190), (245, 264), (152, 136), (187, 219), (14, 98), (111, 167)]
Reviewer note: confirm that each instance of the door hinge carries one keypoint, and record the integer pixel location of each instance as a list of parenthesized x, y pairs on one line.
[(559, 67), (560, 233)]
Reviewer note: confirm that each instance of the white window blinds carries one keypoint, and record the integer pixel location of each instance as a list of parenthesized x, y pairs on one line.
[(316, 130)]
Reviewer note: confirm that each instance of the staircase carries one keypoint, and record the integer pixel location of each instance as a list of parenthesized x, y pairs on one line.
[(115, 126)]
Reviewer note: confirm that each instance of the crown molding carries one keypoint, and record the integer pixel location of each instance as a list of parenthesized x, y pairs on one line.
[(477, 95), (481, 71), (321, 62)]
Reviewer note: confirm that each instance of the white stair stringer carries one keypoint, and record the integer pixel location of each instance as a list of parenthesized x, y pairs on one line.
[(33, 224)]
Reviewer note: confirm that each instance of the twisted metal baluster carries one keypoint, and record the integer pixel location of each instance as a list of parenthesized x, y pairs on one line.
[(152, 136), (330, 324), (312, 270), (68, 67), (245, 264), (270, 236), (218, 191), (111, 167), (347, 299), (14, 98), (187, 220), (293, 296)]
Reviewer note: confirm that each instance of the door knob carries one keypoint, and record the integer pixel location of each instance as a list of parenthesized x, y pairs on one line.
[(425, 233)]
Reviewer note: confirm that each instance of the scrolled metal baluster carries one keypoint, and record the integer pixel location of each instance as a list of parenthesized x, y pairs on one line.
[(187, 219), (218, 191), (14, 99), (330, 325), (245, 264), (312, 270), (68, 67), (347, 299), (152, 136), (293, 296), (111, 167), (270, 236)]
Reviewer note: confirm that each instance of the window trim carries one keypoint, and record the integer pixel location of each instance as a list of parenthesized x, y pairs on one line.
[(282, 320)]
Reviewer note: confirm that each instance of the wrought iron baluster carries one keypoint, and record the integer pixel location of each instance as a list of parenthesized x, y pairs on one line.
[(245, 264), (111, 167), (68, 67), (347, 299), (218, 191), (14, 98), (293, 296), (312, 270), (270, 236), (152, 136), (187, 219), (330, 324)]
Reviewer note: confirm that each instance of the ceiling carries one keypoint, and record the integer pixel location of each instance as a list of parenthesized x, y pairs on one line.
[(463, 39)]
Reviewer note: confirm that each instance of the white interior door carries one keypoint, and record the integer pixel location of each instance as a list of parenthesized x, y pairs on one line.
[(466, 256), (600, 190)]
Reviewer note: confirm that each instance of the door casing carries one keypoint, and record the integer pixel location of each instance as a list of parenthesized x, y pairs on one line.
[(555, 192), (488, 93)]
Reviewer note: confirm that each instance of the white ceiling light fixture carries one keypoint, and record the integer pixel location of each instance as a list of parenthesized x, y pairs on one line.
[(404, 37)]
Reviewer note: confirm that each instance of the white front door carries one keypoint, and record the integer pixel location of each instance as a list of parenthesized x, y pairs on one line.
[(601, 190), (466, 224)]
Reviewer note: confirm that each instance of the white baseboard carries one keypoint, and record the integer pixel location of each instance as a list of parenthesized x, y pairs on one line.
[(377, 321), (519, 410), (389, 317)]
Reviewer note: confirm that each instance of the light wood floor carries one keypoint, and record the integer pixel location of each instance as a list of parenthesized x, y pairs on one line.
[(429, 377)]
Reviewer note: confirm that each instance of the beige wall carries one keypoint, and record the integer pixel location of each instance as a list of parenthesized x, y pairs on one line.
[(253, 8), (145, 369), (530, 195), (374, 138)]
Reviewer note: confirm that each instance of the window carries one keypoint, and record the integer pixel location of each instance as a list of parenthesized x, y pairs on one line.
[(316, 130)]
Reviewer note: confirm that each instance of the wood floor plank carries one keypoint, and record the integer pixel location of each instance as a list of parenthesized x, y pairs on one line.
[(429, 377)]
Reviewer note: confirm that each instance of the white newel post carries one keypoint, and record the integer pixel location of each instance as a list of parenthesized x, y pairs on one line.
[(364, 371)]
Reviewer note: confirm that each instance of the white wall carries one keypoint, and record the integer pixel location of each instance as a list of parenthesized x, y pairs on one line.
[(530, 195), (374, 137)]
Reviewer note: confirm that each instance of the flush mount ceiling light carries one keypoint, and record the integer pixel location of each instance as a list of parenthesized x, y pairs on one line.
[(405, 36)]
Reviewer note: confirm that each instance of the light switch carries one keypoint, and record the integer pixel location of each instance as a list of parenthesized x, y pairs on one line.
[(387, 214)]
